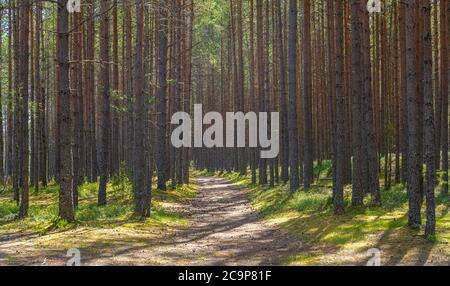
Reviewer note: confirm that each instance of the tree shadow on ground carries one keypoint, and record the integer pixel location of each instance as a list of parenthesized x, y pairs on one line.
[(225, 230)]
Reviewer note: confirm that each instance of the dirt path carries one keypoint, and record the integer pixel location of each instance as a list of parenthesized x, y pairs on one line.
[(224, 230)]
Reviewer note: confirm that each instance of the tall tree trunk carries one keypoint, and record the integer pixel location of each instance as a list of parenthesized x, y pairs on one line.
[(357, 91), (129, 83), (2, 171), (414, 175), (24, 18), (114, 154), (40, 105), (284, 140), (444, 92), (161, 155), (403, 94), (90, 132), (308, 149), (76, 106), (241, 85), (142, 206), (370, 157), (261, 78), (10, 148), (105, 102), (253, 78), (66, 207), (430, 176), (292, 94), (338, 196)]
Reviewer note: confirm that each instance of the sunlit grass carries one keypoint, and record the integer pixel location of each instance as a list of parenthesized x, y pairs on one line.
[(308, 214), (43, 213)]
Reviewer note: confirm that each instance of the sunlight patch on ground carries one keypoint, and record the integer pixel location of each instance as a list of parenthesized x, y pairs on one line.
[(97, 229), (345, 239)]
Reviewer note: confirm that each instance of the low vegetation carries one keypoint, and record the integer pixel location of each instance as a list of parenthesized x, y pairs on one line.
[(95, 228), (336, 240)]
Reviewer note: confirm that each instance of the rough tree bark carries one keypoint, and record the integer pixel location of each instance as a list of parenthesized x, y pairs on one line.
[(142, 205), (338, 197), (66, 208), (105, 102), (292, 94), (308, 148), (161, 153), (430, 176), (24, 32), (284, 138), (414, 175)]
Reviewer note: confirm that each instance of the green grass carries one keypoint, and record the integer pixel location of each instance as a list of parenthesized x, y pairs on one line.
[(43, 212), (308, 214)]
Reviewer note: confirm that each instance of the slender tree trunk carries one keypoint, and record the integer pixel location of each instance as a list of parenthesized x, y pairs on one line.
[(371, 177), (161, 156), (284, 138), (430, 176), (444, 93), (2, 171), (414, 216), (66, 207), (40, 106), (403, 94), (24, 12), (130, 80), (308, 149), (357, 90), (292, 94), (241, 85), (115, 132), (105, 102), (76, 108), (340, 107), (142, 206), (260, 48), (10, 117)]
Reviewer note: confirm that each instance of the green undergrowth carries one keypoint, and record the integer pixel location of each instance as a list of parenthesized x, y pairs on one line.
[(308, 215), (43, 213)]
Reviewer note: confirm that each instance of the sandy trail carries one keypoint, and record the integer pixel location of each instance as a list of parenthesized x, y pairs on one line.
[(225, 230)]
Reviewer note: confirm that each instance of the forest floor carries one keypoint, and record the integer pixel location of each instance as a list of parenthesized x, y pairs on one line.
[(355, 237), (108, 235), (216, 227), (219, 221)]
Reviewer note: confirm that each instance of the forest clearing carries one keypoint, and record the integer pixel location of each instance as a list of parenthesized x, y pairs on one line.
[(224, 132)]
